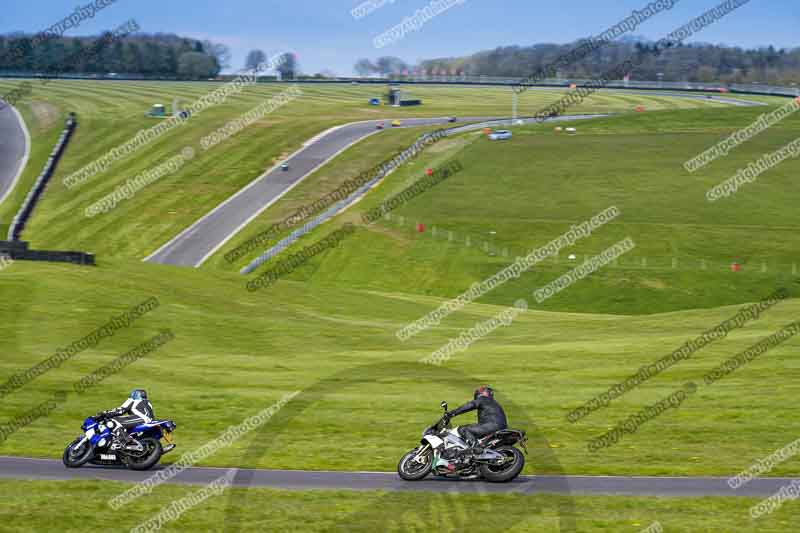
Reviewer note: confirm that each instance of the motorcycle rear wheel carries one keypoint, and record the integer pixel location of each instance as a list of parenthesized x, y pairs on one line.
[(507, 471), (150, 457), (72, 459), (411, 470)]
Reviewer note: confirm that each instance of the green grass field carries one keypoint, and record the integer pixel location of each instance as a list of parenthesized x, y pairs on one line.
[(328, 328), (65, 505), (541, 182), (111, 113), (236, 353)]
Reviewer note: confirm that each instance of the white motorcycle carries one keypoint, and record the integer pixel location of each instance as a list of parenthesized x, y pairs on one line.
[(444, 452)]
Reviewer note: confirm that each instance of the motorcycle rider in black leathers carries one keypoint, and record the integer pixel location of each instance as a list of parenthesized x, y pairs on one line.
[(491, 416), (136, 410)]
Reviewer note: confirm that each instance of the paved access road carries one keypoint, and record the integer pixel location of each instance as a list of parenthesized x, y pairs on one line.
[(48, 469), (203, 238), (198, 242), (14, 149)]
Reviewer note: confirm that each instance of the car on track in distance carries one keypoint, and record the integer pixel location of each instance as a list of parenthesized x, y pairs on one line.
[(500, 135), (284, 166), (379, 126), (452, 119), (396, 123)]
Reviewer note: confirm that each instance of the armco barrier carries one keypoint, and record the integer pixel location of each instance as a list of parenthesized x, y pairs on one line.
[(476, 81), (19, 251), (25, 211)]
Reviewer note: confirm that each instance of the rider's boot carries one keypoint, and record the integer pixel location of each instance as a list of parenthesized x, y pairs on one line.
[(474, 445), (122, 436)]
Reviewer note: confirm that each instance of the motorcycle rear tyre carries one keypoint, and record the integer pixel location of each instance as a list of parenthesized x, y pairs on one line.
[(151, 460), (506, 475)]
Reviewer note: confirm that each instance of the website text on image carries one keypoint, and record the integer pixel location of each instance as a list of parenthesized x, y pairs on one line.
[(515, 270), (145, 137)]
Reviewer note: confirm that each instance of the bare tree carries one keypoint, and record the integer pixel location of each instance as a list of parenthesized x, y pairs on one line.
[(254, 59), (288, 66), (365, 67), (389, 64), (220, 52)]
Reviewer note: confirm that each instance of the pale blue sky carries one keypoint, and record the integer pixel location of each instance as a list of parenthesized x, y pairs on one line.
[(326, 36)]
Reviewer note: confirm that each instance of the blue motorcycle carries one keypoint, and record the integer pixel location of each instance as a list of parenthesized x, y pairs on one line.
[(100, 446)]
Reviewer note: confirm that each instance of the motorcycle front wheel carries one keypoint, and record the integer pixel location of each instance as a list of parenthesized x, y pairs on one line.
[(76, 457), (147, 459), (413, 470), (503, 472)]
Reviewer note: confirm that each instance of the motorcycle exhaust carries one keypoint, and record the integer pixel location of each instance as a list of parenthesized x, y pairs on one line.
[(489, 455)]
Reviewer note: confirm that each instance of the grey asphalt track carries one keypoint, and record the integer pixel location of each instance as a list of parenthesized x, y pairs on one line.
[(198, 242), (720, 99), (203, 238), (48, 469), (672, 93), (13, 150), (195, 244)]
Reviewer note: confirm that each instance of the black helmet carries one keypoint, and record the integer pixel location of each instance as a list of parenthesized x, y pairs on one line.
[(139, 394), (484, 390)]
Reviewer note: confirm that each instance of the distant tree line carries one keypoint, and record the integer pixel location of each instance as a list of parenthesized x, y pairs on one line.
[(695, 63), (288, 67), (157, 55), (384, 66)]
